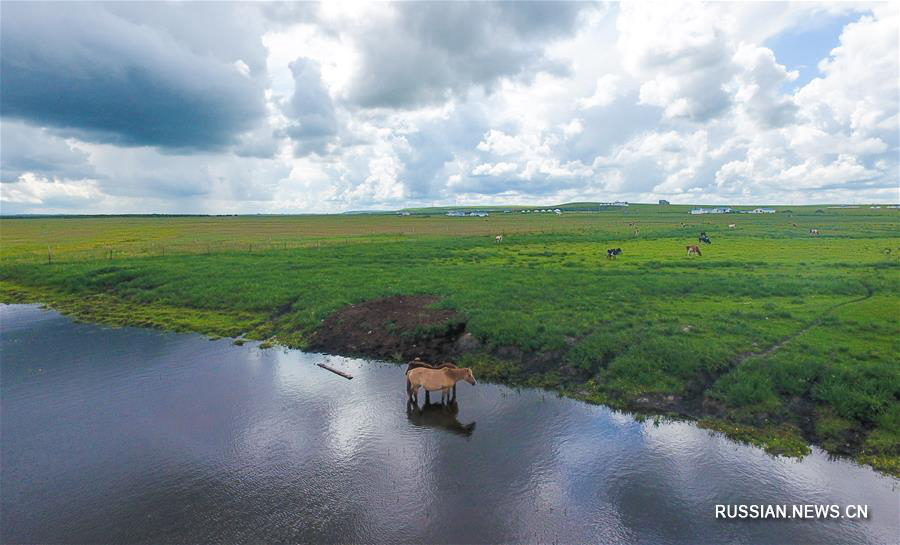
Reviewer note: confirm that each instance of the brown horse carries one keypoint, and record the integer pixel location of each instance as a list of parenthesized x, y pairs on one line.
[(437, 379), (693, 249), (416, 363)]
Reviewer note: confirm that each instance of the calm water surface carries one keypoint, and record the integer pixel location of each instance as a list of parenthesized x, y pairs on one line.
[(130, 435)]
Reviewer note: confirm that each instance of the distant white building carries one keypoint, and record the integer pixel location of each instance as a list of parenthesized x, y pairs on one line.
[(617, 203), (719, 210), (763, 211), (558, 212)]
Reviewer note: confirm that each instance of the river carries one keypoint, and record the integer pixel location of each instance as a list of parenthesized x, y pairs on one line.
[(139, 436)]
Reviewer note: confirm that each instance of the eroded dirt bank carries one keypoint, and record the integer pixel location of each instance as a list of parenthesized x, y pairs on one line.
[(401, 327)]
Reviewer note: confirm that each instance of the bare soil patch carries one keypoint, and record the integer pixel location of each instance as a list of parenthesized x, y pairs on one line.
[(403, 327)]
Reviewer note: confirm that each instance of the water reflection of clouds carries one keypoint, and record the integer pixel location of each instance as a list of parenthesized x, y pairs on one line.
[(310, 456), (703, 468), (361, 425)]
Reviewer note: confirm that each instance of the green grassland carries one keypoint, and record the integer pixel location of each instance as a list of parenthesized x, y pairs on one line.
[(772, 336)]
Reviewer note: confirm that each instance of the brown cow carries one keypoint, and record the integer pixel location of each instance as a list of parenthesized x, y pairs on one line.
[(693, 249)]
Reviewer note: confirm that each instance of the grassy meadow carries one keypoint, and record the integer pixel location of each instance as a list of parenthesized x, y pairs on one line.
[(772, 336)]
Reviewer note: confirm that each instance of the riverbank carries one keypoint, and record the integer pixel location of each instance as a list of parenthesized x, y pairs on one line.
[(772, 336), (146, 437), (441, 336)]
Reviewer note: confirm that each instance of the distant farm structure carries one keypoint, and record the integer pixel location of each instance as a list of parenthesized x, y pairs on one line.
[(463, 214), (728, 210), (720, 210)]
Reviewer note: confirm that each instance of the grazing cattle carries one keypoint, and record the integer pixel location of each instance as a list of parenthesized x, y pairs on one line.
[(498, 239), (814, 232), (731, 226), (693, 249), (436, 379), (704, 239), (612, 253)]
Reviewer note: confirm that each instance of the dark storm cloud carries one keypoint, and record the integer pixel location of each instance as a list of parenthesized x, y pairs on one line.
[(310, 109), (435, 50), (129, 74)]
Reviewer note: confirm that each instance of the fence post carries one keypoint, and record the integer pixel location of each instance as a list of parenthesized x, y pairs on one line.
[(49, 257)]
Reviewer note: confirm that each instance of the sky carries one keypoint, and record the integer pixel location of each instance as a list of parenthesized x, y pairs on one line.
[(228, 108)]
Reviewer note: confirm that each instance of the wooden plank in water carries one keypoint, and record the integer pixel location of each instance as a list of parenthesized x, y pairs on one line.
[(335, 371)]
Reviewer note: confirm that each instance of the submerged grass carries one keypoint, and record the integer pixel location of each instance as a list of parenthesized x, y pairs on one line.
[(771, 333)]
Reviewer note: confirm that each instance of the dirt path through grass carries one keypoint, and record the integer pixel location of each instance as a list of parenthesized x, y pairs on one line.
[(818, 321)]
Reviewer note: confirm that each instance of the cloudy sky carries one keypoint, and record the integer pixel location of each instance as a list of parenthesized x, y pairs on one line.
[(282, 108)]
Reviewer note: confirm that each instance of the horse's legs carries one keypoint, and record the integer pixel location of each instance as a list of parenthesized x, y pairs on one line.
[(427, 396), (454, 392)]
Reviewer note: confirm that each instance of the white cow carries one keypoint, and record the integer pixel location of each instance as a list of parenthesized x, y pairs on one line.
[(498, 239), (731, 226)]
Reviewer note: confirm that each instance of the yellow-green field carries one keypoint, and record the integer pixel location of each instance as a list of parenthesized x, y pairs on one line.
[(778, 336)]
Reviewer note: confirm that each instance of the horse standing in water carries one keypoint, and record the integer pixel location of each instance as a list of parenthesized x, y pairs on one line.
[(436, 379), (416, 363)]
